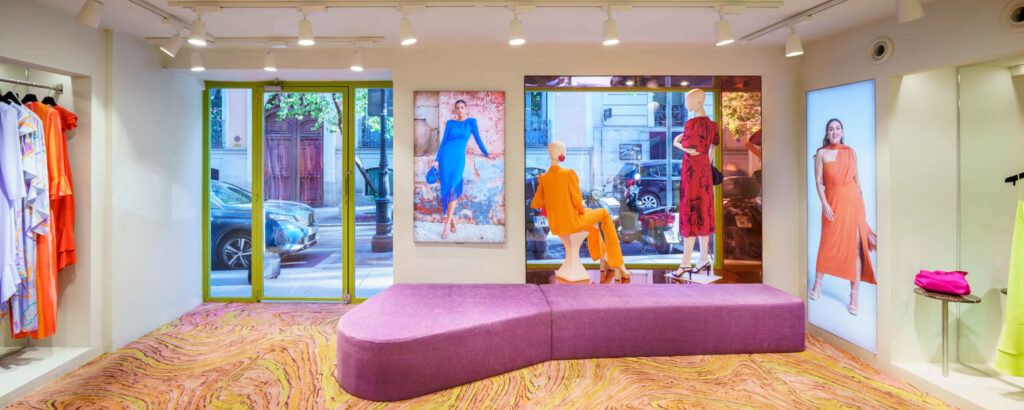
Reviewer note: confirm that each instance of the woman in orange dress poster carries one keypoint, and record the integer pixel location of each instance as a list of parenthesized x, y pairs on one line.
[(846, 238)]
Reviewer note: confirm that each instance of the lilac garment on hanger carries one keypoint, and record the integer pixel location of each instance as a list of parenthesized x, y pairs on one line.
[(35, 217), (12, 191)]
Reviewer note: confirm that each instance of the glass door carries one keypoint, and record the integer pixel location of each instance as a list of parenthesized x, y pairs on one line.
[(318, 182), (304, 205), (229, 193)]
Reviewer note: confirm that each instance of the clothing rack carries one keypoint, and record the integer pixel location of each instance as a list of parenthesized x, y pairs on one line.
[(1012, 179), (58, 88)]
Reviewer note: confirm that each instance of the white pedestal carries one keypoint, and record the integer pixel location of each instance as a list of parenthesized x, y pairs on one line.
[(572, 269)]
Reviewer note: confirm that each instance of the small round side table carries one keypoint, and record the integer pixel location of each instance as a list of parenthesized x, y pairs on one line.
[(946, 298)]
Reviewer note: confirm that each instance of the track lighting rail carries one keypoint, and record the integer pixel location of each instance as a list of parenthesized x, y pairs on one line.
[(792, 20), (261, 42), (468, 3)]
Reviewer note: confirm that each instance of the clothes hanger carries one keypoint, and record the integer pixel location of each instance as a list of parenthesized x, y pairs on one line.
[(12, 98), (29, 98), (48, 100)]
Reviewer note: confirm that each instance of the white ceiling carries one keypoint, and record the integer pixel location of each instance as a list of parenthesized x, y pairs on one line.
[(489, 25)]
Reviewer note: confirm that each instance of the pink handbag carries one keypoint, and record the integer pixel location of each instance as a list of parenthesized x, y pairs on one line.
[(953, 283)]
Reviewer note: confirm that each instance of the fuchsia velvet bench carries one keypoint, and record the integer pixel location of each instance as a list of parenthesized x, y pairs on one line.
[(414, 339)]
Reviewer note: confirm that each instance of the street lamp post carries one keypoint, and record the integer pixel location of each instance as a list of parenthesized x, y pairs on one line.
[(382, 239)]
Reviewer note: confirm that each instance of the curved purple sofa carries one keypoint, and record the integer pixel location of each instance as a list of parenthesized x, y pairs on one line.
[(414, 339)]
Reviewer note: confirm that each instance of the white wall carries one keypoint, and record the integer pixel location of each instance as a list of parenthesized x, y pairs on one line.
[(135, 161), (156, 190), (923, 133), (991, 148), (916, 155), (37, 37)]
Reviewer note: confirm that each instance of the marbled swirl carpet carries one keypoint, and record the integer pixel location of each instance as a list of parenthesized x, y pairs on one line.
[(278, 355)]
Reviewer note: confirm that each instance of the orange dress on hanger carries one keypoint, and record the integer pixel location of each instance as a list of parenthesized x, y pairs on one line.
[(46, 251), (845, 237), (65, 205), (558, 192)]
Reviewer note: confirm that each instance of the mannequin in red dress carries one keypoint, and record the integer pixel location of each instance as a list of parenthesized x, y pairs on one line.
[(696, 194)]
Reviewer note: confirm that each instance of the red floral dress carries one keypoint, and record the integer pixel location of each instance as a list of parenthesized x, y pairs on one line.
[(696, 195)]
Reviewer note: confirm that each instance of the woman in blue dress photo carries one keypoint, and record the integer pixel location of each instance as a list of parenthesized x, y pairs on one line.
[(451, 161)]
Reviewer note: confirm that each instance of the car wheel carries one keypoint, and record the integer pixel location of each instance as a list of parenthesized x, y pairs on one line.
[(235, 251), (648, 201)]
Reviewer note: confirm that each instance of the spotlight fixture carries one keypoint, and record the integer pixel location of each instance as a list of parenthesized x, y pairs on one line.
[(405, 31), (723, 33), (611, 31), (908, 10), (197, 34), (305, 31), (270, 61), (90, 13), (515, 31), (793, 45), (357, 61), (197, 61), (172, 45)]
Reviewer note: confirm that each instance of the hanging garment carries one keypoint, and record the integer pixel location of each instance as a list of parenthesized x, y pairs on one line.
[(46, 252), (558, 193), (65, 234), (696, 195), (1010, 356), (24, 306), (12, 191), (844, 239)]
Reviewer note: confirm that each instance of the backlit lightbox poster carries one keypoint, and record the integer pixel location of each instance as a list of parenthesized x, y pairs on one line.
[(841, 217), (459, 166)]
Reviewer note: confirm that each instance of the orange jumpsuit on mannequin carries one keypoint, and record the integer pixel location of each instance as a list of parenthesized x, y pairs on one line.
[(558, 192)]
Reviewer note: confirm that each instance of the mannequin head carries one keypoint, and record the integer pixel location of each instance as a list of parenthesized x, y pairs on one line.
[(557, 152), (695, 101)]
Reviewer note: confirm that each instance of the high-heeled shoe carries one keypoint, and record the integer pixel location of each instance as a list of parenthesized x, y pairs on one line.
[(679, 273), (854, 309), (604, 268), (699, 268), (621, 273), (815, 290)]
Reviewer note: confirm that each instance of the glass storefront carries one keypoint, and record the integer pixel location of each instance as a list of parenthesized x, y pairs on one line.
[(619, 132)]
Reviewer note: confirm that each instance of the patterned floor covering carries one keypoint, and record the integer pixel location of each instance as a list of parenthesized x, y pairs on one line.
[(276, 355)]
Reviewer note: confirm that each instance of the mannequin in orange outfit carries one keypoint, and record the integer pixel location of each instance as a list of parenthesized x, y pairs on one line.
[(558, 192)]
